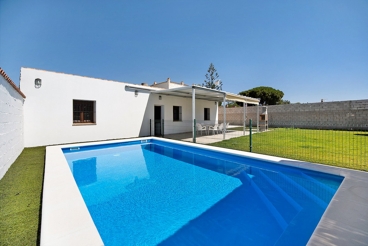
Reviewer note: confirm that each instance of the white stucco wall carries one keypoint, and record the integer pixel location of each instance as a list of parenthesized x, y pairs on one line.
[(175, 85), (185, 125), (48, 111), (11, 125), (168, 84)]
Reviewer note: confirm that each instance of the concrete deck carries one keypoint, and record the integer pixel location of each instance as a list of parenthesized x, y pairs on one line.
[(206, 138)]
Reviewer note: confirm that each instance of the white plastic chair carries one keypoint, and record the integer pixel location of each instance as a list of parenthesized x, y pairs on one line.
[(213, 128), (220, 128), (201, 128), (227, 126)]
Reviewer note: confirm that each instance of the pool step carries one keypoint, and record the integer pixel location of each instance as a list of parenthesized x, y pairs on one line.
[(286, 206), (319, 189), (294, 189), (282, 195), (246, 179), (293, 232), (291, 201)]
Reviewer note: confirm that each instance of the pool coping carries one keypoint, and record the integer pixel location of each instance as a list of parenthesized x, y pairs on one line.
[(66, 220)]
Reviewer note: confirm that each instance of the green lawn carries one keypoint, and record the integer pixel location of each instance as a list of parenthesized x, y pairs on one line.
[(20, 199), (337, 148)]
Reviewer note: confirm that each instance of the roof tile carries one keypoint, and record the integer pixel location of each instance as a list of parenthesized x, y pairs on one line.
[(6, 77)]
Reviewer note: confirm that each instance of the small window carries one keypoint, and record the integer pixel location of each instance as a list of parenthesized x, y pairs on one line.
[(84, 111), (177, 113), (206, 113)]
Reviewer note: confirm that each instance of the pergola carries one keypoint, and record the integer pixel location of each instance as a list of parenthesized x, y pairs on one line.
[(198, 92)]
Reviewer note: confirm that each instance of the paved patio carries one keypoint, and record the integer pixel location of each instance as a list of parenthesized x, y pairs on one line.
[(207, 138)]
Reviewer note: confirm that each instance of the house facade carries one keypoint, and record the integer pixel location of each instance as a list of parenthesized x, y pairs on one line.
[(63, 108)]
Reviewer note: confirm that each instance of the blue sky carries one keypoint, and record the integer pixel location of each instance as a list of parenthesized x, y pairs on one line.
[(310, 50)]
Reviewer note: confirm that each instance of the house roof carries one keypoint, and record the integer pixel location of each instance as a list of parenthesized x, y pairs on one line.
[(184, 91), (142, 87), (206, 94), (6, 77), (177, 83)]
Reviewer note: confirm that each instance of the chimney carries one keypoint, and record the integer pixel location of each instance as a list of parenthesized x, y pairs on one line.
[(168, 83)]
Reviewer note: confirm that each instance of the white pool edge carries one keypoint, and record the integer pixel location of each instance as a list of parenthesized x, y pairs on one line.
[(65, 217), (66, 220)]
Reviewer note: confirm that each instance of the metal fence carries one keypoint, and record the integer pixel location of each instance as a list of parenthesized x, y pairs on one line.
[(332, 135), (343, 148)]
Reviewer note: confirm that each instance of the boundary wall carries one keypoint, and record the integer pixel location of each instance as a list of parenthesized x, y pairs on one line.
[(11, 122), (347, 115)]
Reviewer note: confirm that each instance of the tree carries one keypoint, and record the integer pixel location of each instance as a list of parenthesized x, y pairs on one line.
[(231, 104), (212, 80), (268, 95), (283, 102)]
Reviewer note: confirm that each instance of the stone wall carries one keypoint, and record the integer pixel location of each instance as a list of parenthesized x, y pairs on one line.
[(11, 122), (352, 115)]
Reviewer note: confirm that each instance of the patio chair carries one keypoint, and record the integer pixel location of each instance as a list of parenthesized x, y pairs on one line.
[(220, 128), (201, 128), (227, 126), (213, 128)]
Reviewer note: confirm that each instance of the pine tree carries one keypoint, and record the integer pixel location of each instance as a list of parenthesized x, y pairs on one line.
[(268, 95), (212, 80)]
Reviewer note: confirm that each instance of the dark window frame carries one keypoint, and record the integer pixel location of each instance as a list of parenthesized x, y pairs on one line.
[(207, 114), (84, 112), (177, 113)]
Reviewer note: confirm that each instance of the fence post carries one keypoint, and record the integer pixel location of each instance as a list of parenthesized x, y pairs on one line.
[(257, 118), (250, 135), (195, 131), (244, 117)]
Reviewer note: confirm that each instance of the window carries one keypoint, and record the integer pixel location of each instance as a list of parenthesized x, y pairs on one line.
[(177, 113), (206, 113), (84, 111)]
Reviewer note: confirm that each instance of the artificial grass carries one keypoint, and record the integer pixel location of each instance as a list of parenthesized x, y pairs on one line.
[(20, 199), (347, 149)]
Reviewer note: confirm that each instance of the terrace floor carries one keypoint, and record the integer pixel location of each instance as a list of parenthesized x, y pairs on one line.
[(209, 138)]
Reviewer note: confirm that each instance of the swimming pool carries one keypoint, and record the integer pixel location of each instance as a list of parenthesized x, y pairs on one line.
[(160, 192)]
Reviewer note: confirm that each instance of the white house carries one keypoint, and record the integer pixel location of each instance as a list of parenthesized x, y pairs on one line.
[(64, 108)]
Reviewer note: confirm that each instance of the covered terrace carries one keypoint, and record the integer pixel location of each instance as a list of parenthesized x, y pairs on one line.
[(197, 92)]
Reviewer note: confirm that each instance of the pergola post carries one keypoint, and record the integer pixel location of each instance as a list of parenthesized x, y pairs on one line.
[(193, 115), (244, 117), (224, 128), (257, 118)]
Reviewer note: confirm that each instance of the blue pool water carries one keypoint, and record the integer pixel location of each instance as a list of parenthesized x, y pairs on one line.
[(158, 192)]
